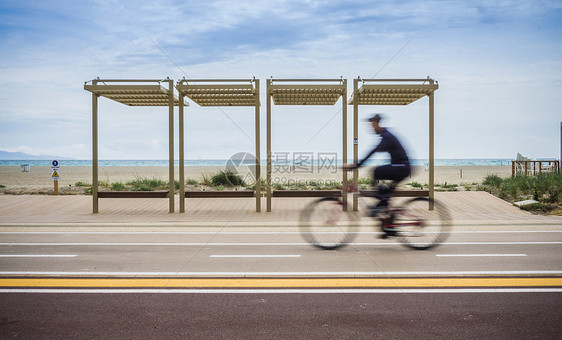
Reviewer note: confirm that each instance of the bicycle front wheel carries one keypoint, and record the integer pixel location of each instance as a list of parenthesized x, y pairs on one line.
[(419, 227), (325, 224)]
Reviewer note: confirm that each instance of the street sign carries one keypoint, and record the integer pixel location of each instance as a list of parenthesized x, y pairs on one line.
[(55, 174)]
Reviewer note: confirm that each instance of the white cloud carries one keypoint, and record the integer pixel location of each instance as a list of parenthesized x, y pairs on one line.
[(498, 64)]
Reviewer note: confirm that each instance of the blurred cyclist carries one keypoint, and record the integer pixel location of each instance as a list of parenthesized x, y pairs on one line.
[(396, 171)]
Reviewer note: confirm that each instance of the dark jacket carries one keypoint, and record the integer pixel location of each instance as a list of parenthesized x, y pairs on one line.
[(389, 143)]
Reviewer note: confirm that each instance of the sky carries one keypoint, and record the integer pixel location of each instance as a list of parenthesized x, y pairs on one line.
[(498, 64)]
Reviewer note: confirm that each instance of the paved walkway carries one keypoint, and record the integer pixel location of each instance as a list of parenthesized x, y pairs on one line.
[(470, 208)]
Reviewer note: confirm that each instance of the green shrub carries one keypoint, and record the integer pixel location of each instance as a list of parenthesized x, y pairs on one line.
[(415, 185), (81, 184), (364, 181), (227, 178), (493, 180), (508, 190), (206, 180), (538, 207), (146, 184), (117, 186), (191, 182)]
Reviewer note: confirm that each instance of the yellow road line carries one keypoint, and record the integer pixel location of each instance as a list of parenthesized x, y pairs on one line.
[(282, 282)]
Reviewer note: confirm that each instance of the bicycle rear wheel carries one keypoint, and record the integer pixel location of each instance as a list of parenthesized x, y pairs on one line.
[(421, 228), (324, 223)]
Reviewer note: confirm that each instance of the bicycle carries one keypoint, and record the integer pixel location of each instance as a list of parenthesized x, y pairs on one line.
[(326, 224)]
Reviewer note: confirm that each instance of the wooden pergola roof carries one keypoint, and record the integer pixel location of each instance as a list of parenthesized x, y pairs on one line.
[(219, 94), (306, 94), (392, 94), (134, 95)]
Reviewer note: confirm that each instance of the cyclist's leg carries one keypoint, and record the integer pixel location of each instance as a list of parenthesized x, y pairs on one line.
[(383, 172)]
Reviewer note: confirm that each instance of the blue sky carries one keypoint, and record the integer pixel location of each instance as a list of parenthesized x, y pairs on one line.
[(498, 63)]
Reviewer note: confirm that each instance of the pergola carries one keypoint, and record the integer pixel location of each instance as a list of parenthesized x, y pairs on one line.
[(394, 92), (135, 93), (301, 92), (217, 93)]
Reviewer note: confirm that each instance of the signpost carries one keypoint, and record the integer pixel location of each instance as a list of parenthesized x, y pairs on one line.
[(55, 174)]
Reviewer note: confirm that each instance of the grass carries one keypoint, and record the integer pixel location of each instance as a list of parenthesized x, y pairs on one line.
[(227, 178), (2, 186), (81, 184), (147, 184), (364, 181), (415, 185), (191, 182), (544, 188), (117, 186)]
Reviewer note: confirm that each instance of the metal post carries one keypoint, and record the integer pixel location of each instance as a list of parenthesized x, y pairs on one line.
[(95, 151), (355, 137), (344, 144), (431, 149), (182, 151), (258, 158), (268, 118), (171, 144)]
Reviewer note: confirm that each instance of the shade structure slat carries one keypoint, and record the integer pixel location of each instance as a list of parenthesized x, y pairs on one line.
[(392, 94), (220, 94), (134, 95), (306, 94)]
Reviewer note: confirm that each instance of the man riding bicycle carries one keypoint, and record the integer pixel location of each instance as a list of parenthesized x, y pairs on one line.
[(396, 171)]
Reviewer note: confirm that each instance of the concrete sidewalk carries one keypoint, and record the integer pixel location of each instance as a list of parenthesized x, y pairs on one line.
[(466, 208)]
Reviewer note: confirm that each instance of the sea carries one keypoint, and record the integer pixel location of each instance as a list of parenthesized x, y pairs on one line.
[(223, 162)]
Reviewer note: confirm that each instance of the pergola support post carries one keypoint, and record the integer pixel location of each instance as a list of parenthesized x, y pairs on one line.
[(431, 148), (355, 138), (268, 118), (344, 142), (258, 158), (181, 152), (171, 186), (95, 152)]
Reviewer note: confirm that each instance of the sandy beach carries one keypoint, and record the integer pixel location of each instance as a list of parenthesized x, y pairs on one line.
[(38, 180)]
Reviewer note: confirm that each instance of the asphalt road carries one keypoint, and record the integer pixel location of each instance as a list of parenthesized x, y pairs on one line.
[(488, 281), (289, 316)]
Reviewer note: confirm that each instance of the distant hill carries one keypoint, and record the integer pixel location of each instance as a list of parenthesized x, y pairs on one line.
[(9, 156)]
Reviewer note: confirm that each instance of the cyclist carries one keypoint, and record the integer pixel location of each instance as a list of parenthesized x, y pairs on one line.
[(396, 171)]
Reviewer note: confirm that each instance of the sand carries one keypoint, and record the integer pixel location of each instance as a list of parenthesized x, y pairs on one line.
[(38, 179)]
